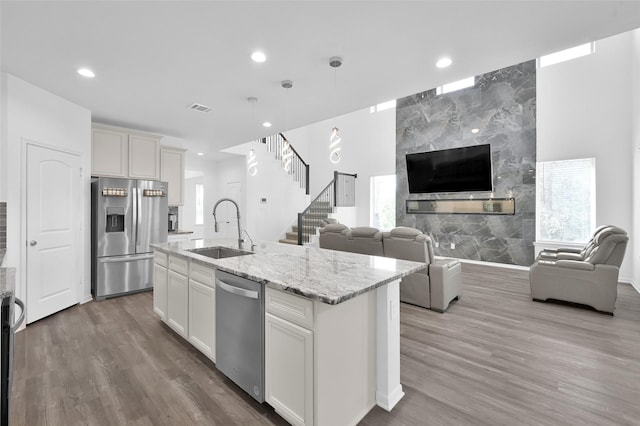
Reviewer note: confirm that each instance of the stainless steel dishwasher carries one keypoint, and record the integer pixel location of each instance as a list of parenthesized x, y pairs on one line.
[(240, 332)]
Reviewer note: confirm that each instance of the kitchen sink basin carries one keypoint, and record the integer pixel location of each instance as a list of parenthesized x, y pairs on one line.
[(219, 252)]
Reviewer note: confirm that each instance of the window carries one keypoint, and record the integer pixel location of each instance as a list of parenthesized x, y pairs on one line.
[(566, 55), (456, 85), (383, 106), (383, 202), (199, 204), (566, 200)]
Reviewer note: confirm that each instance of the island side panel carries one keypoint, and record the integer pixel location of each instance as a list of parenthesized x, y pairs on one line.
[(389, 390), (345, 360)]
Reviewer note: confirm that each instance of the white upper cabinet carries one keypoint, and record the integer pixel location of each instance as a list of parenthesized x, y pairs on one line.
[(144, 158), (119, 152), (109, 153), (172, 171)]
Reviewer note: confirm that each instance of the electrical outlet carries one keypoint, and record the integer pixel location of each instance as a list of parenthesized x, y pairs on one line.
[(453, 246), (437, 244)]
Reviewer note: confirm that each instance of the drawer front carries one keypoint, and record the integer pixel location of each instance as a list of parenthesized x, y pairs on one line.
[(290, 307), (160, 258), (179, 265), (203, 274)]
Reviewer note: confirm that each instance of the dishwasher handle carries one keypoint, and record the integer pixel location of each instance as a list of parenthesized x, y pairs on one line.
[(237, 290)]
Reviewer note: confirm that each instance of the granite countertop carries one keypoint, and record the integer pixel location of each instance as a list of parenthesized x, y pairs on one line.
[(180, 232), (7, 282), (325, 275)]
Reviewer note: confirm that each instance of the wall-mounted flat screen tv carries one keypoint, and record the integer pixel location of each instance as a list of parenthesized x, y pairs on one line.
[(464, 169)]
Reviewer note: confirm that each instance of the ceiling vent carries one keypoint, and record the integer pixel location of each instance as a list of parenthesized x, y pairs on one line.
[(200, 107)]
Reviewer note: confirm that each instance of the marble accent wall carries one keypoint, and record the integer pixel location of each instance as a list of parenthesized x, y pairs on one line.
[(502, 106)]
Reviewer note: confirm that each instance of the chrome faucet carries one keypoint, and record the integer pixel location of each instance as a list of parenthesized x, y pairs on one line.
[(215, 221), (253, 246)]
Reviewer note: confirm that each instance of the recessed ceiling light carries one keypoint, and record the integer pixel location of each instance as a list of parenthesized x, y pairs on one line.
[(86, 72), (443, 63), (258, 57), (201, 154), (475, 130), (266, 124)]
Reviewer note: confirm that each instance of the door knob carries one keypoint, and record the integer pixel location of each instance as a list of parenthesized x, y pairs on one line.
[(33, 243)]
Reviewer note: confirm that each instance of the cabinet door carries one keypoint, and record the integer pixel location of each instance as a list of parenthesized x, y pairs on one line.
[(289, 370), (160, 291), (144, 157), (108, 153), (172, 171), (178, 303), (202, 318)]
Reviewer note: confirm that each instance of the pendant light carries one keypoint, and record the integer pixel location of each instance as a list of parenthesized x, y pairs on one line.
[(335, 139), (252, 163), (285, 151)]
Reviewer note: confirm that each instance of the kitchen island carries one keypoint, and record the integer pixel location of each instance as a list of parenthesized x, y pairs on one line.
[(332, 327)]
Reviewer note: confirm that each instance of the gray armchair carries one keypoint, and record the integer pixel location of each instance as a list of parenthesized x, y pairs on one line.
[(566, 253), (433, 288), (590, 281)]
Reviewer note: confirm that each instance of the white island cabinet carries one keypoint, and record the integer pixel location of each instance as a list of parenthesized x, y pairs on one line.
[(160, 284), (178, 295), (288, 356), (202, 309), (332, 327)]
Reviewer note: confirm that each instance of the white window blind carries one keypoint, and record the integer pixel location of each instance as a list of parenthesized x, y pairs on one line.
[(199, 204), (383, 202), (566, 199)]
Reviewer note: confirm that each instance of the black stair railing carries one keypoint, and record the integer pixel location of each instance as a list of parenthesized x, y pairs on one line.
[(291, 160), (340, 192)]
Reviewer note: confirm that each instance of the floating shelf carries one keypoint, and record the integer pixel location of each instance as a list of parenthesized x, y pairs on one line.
[(501, 206)]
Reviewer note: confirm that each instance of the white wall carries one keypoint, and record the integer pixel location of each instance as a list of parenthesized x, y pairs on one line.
[(224, 172), (187, 212), (584, 110), (368, 149), (284, 198), (39, 116), (635, 122)]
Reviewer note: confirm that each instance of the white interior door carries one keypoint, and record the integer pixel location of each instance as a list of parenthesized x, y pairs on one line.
[(53, 215), (229, 227)]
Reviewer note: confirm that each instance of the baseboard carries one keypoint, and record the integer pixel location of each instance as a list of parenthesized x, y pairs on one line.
[(635, 285), (493, 264), (86, 299)]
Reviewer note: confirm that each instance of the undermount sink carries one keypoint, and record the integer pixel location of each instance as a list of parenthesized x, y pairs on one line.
[(219, 252)]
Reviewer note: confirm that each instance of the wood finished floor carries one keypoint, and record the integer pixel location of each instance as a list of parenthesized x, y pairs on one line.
[(495, 358)]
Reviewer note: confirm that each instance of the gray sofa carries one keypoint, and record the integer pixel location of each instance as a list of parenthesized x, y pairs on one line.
[(589, 277), (433, 288)]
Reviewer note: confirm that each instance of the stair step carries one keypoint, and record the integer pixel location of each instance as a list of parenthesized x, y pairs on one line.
[(287, 241), (292, 236), (315, 216), (294, 228)]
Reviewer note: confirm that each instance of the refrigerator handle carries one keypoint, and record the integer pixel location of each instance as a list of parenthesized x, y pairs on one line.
[(136, 213)]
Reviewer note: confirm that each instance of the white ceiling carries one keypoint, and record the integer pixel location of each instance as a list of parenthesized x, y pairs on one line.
[(152, 59)]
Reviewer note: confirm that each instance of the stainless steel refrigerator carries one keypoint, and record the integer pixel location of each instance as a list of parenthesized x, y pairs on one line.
[(127, 216)]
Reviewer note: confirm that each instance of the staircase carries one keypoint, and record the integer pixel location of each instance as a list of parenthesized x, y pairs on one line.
[(340, 192), (291, 161), (318, 215)]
